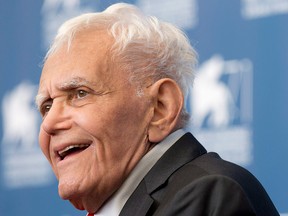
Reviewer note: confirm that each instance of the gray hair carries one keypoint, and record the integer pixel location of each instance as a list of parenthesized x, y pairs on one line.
[(147, 47)]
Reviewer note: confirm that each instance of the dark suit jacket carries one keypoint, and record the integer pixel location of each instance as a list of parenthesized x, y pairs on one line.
[(189, 181)]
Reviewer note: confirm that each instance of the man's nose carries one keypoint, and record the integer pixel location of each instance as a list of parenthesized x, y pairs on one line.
[(56, 119)]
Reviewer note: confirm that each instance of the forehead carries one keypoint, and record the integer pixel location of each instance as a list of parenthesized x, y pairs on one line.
[(88, 56)]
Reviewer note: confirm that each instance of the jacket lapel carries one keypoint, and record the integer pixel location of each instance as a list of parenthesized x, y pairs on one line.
[(138, 203), (183, 151)]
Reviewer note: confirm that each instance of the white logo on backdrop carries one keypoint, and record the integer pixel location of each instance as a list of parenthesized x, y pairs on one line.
[(24, 164), (19, 118), (183, 13), (213, 99), (252, 9), (55, 12), (221, 107)]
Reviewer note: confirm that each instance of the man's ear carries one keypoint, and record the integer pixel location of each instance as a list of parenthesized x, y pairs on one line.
[(168, 103)]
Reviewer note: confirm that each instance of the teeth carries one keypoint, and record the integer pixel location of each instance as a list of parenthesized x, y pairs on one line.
[(63, 152)]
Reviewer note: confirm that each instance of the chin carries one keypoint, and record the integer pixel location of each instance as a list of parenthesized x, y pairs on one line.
[(68, 190), (77, 204), (88, 206), (71, 196), (71, 191)]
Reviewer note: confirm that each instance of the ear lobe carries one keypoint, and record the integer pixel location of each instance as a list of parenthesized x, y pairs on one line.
[(168, 103)]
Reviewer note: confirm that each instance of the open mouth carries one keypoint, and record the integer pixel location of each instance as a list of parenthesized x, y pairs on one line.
[(72, 149)]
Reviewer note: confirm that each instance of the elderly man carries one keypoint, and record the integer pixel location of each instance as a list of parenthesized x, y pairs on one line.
[(111, 95)]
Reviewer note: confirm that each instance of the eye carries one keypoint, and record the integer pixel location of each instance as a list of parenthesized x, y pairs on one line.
[(80, 97), (45, 107), (81, 94)]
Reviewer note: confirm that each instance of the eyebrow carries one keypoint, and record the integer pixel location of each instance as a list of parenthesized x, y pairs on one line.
[(75, 82), (39, 99)]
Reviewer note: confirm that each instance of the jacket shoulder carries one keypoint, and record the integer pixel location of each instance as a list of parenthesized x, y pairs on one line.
[(213, 184)]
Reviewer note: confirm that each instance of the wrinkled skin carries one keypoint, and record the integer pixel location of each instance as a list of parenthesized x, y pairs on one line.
[(87, 102)]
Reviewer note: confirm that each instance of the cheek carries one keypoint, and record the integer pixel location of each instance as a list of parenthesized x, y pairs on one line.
[(116, 126)]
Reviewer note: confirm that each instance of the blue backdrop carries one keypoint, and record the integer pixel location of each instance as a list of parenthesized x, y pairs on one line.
[(238, 102)]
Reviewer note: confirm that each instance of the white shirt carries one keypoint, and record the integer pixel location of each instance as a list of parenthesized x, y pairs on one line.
[(115, 204)]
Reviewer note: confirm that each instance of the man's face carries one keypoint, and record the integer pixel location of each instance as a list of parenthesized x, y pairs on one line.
[(94, 127)]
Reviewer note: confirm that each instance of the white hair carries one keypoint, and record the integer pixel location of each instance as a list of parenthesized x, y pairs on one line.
[(146, 46)]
